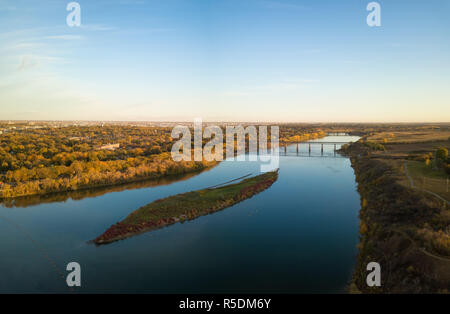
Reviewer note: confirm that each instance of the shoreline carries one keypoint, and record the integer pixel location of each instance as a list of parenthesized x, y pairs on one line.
[(106, 185), (391, 217)]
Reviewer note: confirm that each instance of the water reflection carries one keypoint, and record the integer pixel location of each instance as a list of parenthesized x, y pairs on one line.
[(299, 236), (78, 195)]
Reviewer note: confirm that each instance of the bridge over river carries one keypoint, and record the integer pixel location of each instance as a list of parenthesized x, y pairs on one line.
[(284, 151)]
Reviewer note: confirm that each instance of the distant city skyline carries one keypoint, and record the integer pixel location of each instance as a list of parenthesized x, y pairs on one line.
[(235, 60)]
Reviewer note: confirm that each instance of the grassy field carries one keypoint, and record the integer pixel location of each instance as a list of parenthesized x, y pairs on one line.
[(406, 137), (429, 178), (186, 206), (416, 148)]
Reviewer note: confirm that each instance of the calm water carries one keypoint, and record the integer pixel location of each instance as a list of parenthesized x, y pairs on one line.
[(298, 236)]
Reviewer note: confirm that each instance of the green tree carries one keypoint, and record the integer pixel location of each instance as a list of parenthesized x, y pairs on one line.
[(442, 153)]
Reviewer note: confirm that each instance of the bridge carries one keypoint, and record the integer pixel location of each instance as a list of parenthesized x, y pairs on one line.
[(283, 147)]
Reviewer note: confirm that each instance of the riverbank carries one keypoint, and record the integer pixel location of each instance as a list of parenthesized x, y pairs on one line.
[(186, 206), (403, 229), (66, 169), (88, 176), (81, 194)]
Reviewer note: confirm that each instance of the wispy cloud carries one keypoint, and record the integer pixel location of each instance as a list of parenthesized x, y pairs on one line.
[(28, 62), (65, 37), (97, 27), (25, 32), (32, 48), (21, 46)]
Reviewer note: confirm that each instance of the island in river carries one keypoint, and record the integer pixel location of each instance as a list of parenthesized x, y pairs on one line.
[(186, 206)]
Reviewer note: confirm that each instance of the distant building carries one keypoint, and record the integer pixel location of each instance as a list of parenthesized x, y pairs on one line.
[(110, 146)]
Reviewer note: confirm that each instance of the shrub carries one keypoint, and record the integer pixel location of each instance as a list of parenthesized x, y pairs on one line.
[(442, 153), (363, 228), (375, 146)]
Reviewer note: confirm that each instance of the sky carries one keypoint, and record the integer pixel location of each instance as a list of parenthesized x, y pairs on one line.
[(225, 60)]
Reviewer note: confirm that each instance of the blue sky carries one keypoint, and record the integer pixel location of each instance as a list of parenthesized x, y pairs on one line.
[(228, 60)]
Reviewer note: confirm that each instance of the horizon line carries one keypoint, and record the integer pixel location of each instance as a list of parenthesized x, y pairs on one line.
[(225, 121)]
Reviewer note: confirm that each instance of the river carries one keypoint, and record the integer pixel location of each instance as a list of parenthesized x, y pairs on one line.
[(299, 236)]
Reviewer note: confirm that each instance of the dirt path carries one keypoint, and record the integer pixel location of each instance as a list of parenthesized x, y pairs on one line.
[(442, 258), (411, 182)]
